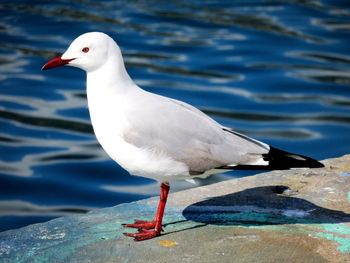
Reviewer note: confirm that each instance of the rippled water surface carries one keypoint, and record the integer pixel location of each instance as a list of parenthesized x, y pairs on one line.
[(275, 70)]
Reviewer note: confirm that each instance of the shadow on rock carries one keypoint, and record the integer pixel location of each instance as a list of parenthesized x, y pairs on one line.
[(267, 205)]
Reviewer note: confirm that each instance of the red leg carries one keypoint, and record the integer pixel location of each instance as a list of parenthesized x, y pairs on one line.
[(151, 229)]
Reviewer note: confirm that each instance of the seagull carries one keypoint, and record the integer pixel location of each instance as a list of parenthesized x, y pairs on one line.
[(159, 137)]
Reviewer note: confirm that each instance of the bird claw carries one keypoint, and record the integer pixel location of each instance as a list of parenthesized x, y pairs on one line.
[(143, 234), (141, 224), (146, 230)]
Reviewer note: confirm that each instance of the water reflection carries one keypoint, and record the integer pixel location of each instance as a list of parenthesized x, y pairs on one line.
[(332, 76), (266, 117), (47, 122), (332, 24), (19, 208), (332, 58), (230, 17)]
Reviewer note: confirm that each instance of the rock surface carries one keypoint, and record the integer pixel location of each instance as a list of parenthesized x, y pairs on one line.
[(300, 215)]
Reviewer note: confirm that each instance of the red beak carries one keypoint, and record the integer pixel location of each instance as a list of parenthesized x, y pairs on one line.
[(56, 62)]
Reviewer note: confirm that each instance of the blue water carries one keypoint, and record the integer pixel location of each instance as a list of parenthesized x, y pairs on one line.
[(275, 70)]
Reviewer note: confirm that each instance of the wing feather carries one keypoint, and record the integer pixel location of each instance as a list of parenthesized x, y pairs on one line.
[(186, 134)]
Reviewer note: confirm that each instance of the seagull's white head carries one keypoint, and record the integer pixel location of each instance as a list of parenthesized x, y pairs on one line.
[(87, 52)]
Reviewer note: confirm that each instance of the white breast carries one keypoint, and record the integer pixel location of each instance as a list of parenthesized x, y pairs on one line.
[(109, 120)]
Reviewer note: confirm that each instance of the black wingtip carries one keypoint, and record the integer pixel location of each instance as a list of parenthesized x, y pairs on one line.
[(281, 160)]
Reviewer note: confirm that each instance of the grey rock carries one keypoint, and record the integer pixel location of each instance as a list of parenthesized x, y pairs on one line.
[(300, 215)]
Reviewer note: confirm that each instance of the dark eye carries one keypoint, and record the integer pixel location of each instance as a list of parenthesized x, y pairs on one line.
[(85, 50)]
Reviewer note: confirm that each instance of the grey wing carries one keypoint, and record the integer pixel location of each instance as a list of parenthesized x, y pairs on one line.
[(186, 134)]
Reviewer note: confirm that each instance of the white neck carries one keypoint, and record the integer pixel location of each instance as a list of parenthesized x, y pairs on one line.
[(112, 75), (107, 88)]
